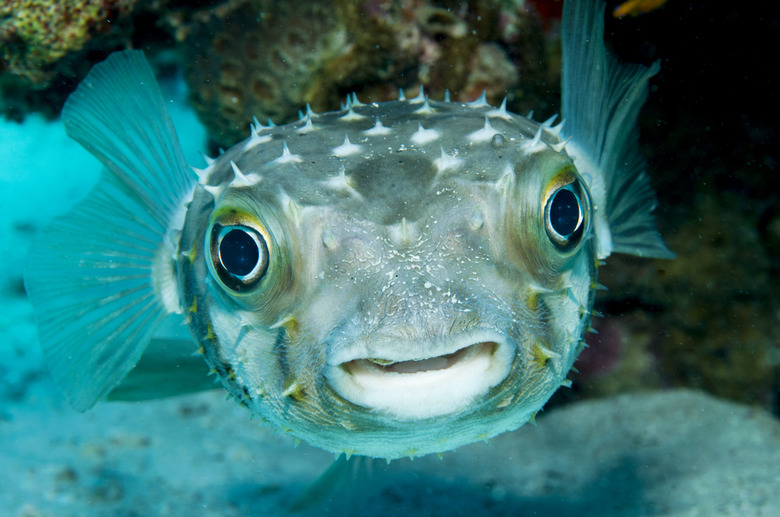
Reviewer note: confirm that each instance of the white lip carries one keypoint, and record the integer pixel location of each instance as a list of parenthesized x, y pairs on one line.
[(424, 387)]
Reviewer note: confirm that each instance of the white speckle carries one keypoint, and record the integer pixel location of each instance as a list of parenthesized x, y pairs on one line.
[(427, 285), (287, 156), (378, 129), (423, 136), (483, 135), (346, 149)]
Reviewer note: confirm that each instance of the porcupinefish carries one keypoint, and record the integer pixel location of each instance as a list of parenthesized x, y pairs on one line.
[(390, 279)]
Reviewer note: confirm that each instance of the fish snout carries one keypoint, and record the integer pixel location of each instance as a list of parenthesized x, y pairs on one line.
[(405, 381)]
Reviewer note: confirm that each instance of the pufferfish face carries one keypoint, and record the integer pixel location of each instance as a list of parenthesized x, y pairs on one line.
[(392, 279)]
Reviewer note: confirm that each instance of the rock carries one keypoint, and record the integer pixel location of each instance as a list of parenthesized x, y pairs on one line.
[(661, 453)]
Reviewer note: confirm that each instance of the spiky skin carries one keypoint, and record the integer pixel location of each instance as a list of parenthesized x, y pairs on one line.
[(397, 232)]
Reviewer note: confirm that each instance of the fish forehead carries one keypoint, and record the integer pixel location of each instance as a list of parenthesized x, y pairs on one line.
[(383, 161), (395, 189)]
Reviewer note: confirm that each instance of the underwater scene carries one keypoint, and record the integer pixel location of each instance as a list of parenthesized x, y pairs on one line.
[(389, 257)]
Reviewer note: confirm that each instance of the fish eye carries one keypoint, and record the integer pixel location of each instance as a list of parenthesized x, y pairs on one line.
[(239, 255), (565, 215)]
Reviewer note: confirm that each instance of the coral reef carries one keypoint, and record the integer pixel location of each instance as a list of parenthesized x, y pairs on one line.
[(36, 33), (44, 46), (245, 58), (703, 320), (269, 59)]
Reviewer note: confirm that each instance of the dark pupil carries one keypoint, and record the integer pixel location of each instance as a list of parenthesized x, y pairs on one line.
[(565, 212), (238, 252)]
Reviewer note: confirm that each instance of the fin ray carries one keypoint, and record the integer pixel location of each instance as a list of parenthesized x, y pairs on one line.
[(168, 367), (94, 276), (601, 103), (110, 114)]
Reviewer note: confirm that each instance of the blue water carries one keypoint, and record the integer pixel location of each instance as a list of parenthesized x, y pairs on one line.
[(43, 174)]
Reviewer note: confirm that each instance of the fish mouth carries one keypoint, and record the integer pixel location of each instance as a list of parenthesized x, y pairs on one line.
[(426, 387)]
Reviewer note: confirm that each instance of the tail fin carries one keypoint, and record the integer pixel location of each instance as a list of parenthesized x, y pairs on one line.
[(101, 278), (600, 106)]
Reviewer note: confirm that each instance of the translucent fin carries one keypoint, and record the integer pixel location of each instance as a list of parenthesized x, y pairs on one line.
[(324, 486), (97, 277), (169, 366), (601, 103)]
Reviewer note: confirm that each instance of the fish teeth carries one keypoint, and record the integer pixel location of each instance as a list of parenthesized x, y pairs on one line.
[(381, 362)]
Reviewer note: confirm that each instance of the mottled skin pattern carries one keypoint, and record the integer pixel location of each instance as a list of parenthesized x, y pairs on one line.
[(394, 242)]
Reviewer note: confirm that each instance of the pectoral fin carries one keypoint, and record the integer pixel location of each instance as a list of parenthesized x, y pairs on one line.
[(101, 278), (167, 368)]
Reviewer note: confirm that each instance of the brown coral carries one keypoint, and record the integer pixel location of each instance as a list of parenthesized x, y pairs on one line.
[(36, 33), (269, 59)]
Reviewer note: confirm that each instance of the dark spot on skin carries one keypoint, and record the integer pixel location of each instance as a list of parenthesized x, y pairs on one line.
[(377, 181)]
